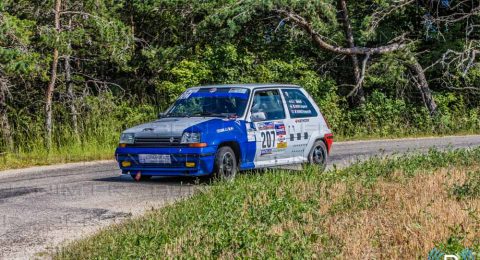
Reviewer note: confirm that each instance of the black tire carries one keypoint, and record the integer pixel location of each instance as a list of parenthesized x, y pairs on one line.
[(142, 177), (225, 164), (319, 155)]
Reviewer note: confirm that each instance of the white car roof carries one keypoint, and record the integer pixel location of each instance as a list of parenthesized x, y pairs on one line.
[(250, 86)]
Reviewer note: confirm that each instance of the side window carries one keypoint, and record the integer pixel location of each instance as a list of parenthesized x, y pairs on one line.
[(298, 104), (267, 105)]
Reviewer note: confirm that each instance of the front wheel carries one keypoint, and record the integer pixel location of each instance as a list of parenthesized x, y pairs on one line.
[(319, 155), (225, 164)]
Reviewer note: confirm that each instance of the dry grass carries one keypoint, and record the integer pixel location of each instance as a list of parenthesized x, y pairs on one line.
[(409, 221)]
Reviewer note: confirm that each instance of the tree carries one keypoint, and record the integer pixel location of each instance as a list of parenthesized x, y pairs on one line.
[(351, 43), (17, 61), (53, 79), (4, 122), (382, 26)]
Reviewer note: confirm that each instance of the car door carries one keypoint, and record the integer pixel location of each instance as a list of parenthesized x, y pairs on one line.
[(268, 116), (302, 123)]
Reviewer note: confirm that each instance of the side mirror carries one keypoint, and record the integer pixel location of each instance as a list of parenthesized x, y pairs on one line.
[(161, 115), (258, 116)]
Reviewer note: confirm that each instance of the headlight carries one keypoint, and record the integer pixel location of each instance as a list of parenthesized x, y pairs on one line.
[(127, 138), (188, 138)]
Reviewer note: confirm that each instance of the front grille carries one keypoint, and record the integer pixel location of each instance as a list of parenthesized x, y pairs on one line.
[(156, 142)]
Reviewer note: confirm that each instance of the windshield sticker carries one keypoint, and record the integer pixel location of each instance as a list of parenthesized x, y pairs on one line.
[(212, 90), (187, 93), (265, 126), (238, 90), (226, 129), (219, 94)]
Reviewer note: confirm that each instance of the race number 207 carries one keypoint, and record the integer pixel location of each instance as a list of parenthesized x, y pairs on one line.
[(268, 139)]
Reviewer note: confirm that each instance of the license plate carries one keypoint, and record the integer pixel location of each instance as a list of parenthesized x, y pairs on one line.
[(155, 158)]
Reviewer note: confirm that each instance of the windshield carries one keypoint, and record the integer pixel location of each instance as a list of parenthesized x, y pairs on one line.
[(219, 102)]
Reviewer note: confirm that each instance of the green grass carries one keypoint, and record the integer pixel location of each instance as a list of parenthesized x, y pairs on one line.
[(280, 214), (66, 154), (470, 188)]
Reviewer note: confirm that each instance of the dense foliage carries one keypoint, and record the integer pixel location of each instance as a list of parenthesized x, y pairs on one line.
[(121, 62)]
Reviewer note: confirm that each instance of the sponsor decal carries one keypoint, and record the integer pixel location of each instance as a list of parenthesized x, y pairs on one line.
[(298, 106), (279, 125), (251, 137), (280, 129), (250, 133), (265, 126), (281, 138), (226, 129), (302, 120), (282, 145), (238, 90), (266, 151), (301, 111), (295, 101)]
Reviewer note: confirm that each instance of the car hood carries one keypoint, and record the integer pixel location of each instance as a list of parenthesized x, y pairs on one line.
[(166, 127)]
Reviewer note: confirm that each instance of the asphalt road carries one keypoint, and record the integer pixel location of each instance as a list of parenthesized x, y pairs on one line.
[(43, 207)]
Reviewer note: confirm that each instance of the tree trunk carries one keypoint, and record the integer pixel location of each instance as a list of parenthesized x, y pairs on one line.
[(69, 83), (71, 95), (4, 123), (360, 95), (422, 85), (51, 84)]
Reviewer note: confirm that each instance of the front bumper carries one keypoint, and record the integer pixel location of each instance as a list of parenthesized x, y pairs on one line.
[(202, 157)]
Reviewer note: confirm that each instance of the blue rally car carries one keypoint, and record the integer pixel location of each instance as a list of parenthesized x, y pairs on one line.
[(223, 129)]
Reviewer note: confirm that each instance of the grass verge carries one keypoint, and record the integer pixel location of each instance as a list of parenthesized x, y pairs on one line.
[(401, 207), (72, 153)]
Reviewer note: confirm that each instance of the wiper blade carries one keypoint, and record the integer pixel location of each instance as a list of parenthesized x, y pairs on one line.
[(175, 115), (210, 114)]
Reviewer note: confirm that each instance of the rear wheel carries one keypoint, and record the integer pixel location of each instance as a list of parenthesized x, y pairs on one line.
[(319, 155), (225, 164)]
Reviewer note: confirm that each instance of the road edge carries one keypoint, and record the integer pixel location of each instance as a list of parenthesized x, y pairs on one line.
[(63, 166)]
